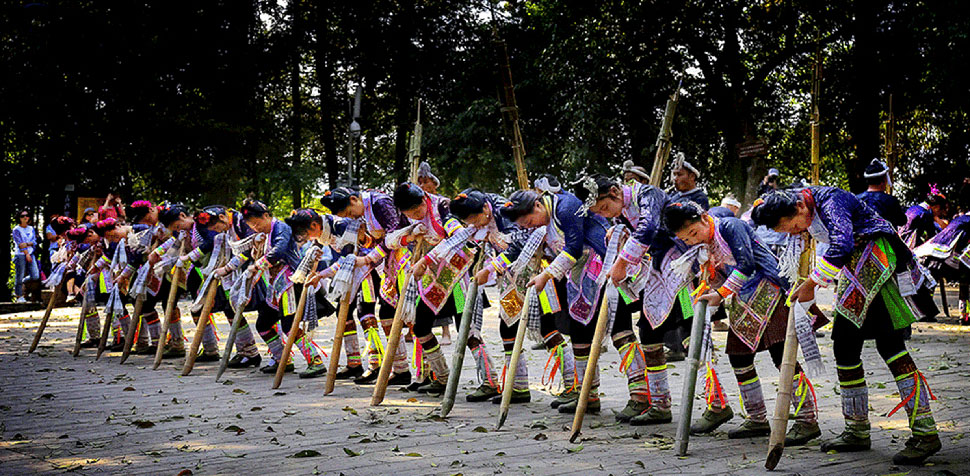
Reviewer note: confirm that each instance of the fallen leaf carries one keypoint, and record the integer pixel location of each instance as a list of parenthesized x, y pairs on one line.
[(239, 390), (143, 423), (128, 389), (575, 450), (413, 455), (229, 455), (234, 428), (351, 410), (255, 409), (351, 452), (540, 437), (308, 454), (480, 429)]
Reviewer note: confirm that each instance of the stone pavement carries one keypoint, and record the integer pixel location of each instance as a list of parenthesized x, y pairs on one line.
[(64, 415)]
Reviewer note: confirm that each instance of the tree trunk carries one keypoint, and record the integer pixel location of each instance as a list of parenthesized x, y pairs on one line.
[(296, 120), (404, 72), (324, 60), (864, 128)]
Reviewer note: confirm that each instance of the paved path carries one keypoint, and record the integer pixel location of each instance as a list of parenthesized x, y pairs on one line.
[(59, 414)]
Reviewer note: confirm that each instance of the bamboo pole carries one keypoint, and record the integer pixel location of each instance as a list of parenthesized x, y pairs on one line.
[(294, 329), (690, 380), (523, 323), (85, 304), (231, 340), (602, 321), (338, 341), (458, 355), (204, 319), (169, 310), (47, 314), (133, 327), (779, 419)]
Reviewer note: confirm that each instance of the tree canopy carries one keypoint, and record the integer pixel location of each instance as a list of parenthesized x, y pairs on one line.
[(213, 101)]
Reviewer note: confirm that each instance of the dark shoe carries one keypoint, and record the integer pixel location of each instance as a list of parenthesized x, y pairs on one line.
[(518, 396), (710, 421), (348, 373), (592, 406), (632, 409), (173, 352), (316, 369), (399, 379), (212, 356), (240, 361), (801, 433), (368, 377), (90, 344), (415, 385), (145, 350), (653, 416), (926, 319), (847, 442), (434, 387), (482, 393), (565, 397), (273, 364), (117, 347), (917, 449), (750, 429), (675, 356)]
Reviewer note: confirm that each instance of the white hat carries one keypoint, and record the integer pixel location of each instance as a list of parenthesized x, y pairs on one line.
[(641, 172), (730, 200)]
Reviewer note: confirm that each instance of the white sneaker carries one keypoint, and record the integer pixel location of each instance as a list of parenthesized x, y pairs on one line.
[(21, 299)]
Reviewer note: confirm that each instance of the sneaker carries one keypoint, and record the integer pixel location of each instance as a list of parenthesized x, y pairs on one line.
[(847, 442), (90, 344), (399, 379), (592, 405), (653, 416), (209, 356), (675, 355), (20, 299), (368, 377), (273, 365), (240, 361), (172, 352), (518, 396), (917, 449), (538, 346), (145, 349), (632, 409), (801, 433), (433, 387), (315, 369), (750, 429), (565, 397), (348, 373), (711, 420), (482, 393)]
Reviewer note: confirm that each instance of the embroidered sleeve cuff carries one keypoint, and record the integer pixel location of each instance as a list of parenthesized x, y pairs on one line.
[(451, 226), (195, 254), (500, 263), (724, 291), (129, 269), (633, 251), (376, 255), (262, 263), (561, 265), (825, 273), (735, 281)]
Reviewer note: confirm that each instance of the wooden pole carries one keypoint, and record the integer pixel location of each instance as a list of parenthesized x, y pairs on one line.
[(47, 314), (663, 140), (204, 318), (291, 336), (779, 419), (394, 339), (380, 387), (169, 310), (523, 323), (105, 330), (690, 380), (458, 355), (133, 327), (231, 340), (85, 303), (338, 341), (602, 321)]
